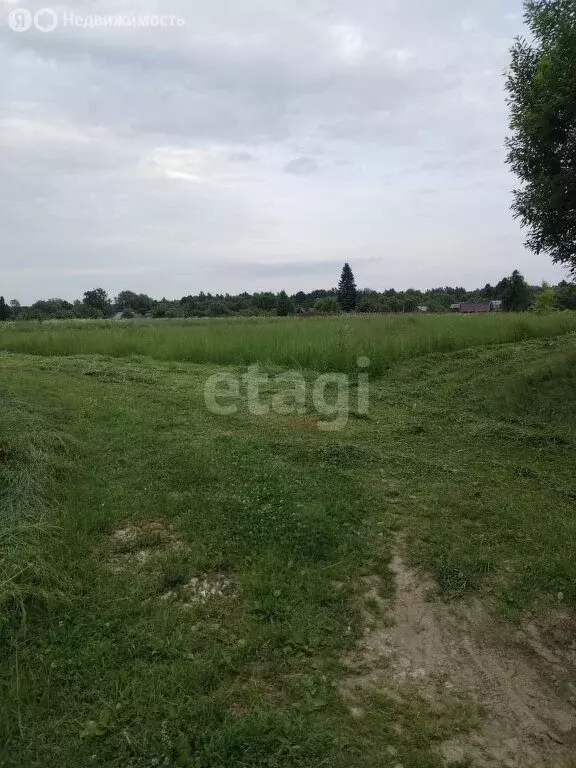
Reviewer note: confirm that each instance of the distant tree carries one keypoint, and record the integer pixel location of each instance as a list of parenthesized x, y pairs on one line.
[(370, 301), (347, 293), (98, 300), (299, 299), (546, 299), (328, 305), (487, 292), (265, 301), (566, 295), (217, 309), (516, 296), (4, 310), (45, 309), (501, 287), (137, 302), (284, 307), (542, 149)]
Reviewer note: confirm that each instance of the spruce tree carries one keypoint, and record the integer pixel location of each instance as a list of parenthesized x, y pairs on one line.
[(347, 293)]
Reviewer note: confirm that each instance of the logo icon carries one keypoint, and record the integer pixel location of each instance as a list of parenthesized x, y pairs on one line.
[(19, 20), (45, 20)]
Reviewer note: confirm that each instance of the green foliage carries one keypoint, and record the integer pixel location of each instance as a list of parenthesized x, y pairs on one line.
[(58, 309), (566, 295), (347, 293), (98, 300), (137, 302), (284, 306), (4, 309), (516, 296), (542, 148), (546, 299), (390, 301), (327, 306)]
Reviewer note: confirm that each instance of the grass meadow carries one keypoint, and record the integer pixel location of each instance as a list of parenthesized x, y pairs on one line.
[(321, 344), (124, 501)]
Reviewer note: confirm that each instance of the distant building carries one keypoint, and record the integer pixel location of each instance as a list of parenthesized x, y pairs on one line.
[(422, 309), (484, 306), (126, 314), (468, 308)]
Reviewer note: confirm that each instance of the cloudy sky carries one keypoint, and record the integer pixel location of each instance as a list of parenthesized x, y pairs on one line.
[(257, 146)]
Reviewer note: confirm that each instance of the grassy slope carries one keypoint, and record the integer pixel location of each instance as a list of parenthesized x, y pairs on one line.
[(471, 455)]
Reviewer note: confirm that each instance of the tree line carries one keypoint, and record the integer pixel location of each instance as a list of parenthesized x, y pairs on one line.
[(514, 292)]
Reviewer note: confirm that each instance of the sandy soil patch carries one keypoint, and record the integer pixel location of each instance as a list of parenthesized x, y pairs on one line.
[(522, 678)]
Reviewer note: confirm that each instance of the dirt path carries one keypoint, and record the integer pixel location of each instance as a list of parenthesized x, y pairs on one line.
[(523, 680)]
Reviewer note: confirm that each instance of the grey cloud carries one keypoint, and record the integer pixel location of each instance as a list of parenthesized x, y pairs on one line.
[(156, 151), (302, 166), (242, 157)]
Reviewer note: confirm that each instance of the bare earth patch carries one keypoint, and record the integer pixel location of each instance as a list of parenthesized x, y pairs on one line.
[(135, 543), (200, 589), (522, 679)]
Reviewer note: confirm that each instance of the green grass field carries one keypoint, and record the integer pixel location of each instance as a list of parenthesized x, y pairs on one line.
[(118, 487), (320, 344)]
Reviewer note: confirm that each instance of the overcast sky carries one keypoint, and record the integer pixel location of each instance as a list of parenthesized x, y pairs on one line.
[(257, 147)]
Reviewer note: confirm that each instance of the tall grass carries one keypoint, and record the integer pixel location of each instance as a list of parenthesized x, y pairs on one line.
[(323, 344)]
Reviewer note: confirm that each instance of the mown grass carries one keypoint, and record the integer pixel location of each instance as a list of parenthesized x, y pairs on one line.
[(321, 344), (116, 676), (468, 455), (28, 450)]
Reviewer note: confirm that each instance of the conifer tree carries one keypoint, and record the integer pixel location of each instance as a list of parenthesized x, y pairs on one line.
[(347, 293)]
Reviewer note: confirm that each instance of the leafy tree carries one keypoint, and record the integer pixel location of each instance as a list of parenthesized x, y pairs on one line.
[(501, 287), (266, 301), (98, 300), (327, 305), (487, 292), (284, 306), (4, 310), (299, 299), (347, 293), (45, 309), (566, 295), (370, 301), (546, 299), (217, 309), (542, 148), (516, 296), (138, 302)]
